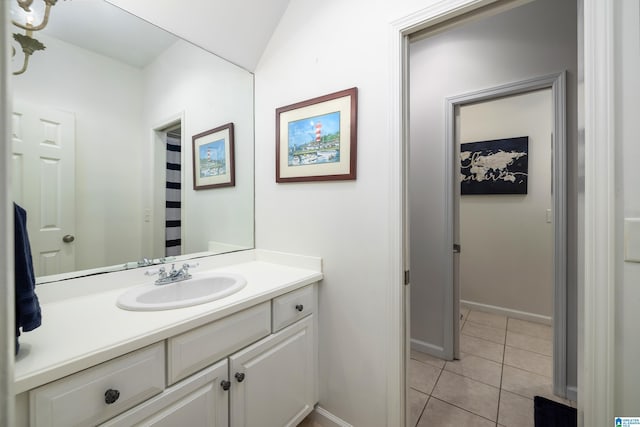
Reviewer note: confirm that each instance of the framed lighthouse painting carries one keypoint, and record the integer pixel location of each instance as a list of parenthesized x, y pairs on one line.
[(213, 158), (316, 139)]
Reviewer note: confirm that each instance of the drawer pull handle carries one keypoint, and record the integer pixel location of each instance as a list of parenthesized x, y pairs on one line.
[(226, 385), (299, 307), (239, 376), (110, 396)]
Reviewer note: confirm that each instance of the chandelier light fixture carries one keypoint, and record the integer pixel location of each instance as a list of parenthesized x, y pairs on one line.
[(24, 16)]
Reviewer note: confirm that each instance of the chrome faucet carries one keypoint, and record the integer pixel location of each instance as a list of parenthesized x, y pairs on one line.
[(173, 275)]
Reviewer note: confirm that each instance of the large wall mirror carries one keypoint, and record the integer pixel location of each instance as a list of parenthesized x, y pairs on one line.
[(102, 140)]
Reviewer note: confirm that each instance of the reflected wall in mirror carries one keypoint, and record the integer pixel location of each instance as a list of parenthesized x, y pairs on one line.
[(92, 117)]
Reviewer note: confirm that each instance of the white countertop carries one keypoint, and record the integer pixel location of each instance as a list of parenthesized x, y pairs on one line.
[(85, 327)]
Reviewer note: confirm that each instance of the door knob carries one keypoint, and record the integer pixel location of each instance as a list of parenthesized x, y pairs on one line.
[(68, 238)]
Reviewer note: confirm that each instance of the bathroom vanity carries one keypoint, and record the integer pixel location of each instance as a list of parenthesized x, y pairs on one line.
[(248, 359)]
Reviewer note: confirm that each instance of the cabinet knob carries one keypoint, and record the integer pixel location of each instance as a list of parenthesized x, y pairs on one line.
[(299, 307), (239, 376), (110, 396), (226, 385)]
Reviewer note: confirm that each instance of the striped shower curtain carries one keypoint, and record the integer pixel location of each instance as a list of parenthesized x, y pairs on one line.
[(173, 190)]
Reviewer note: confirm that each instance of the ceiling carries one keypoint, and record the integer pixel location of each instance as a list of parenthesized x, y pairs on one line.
[(237, 30), (107, 30)]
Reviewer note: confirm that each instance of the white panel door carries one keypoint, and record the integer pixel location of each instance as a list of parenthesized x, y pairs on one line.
[(273, 381), (44, 183)]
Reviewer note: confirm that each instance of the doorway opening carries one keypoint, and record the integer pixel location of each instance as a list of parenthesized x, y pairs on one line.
[(457, 71), (173, 200), (515, 263), (168, 190)]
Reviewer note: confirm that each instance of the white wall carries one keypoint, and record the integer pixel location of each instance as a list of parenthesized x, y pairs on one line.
[(536, 39), (627, 94), (105, 96), (210, 92), (315, 51), (507, 256)]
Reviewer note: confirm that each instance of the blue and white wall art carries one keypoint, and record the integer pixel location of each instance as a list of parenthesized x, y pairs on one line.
[(499, 166)]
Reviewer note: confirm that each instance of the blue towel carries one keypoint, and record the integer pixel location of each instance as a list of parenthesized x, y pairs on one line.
[(28, 315)]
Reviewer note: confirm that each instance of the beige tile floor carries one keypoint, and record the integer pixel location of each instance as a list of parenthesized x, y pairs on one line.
[(504, 363)]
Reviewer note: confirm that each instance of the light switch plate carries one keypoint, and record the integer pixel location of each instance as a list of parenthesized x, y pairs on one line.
[(632, 239)]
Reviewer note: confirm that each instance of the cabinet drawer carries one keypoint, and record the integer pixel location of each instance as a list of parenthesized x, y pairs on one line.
[(81, 399), (199, 348), (197, 401), (293, 306)]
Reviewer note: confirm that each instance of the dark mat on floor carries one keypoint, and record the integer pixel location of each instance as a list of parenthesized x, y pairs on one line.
[(553, 414)]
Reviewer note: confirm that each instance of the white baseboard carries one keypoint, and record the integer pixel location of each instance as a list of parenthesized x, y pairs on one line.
[(320, 417), (572, 393), (517, 314), (425, 347)]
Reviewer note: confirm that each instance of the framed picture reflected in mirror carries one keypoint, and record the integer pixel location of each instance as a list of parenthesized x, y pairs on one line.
[(213, 161)]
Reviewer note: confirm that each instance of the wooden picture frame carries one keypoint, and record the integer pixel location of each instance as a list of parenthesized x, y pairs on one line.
[(316, 139), (213, 158)]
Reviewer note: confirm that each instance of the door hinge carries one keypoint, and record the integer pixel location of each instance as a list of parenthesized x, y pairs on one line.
[(406, 277)]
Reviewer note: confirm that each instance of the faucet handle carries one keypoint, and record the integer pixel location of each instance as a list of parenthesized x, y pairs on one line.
[(188, 265), (154, 271)]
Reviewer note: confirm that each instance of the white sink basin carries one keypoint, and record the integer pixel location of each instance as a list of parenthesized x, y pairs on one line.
[(201, 288)]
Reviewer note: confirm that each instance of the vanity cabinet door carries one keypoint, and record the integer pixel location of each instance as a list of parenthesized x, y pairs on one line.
[(273, 382), (201, 400)]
